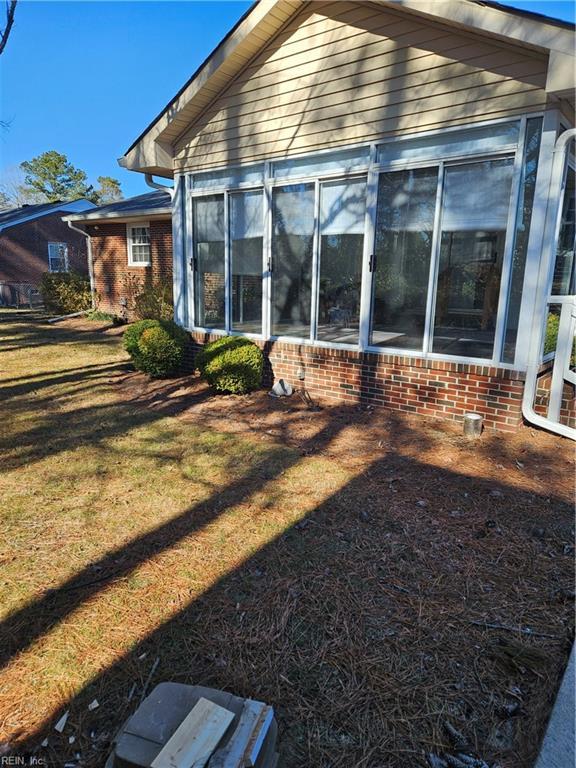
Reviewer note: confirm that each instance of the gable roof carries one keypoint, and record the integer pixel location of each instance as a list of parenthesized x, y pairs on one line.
[(149, 204), (14, 216), (152, 151)]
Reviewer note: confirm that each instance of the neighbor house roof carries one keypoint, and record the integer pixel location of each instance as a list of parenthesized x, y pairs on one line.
[(152, 151), (142, 206), (14, 216)]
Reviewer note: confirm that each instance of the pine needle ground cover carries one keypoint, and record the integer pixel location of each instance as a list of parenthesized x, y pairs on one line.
[(380, 580)]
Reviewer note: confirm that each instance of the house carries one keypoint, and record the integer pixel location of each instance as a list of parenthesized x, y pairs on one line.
[(131, 245), (374, 192), (34, 240)]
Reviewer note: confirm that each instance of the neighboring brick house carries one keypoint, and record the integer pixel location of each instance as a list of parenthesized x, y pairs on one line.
[(131, 245), (34, 240)]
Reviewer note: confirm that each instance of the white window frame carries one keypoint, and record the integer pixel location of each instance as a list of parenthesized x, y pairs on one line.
[(372, 171), (130, 243), (58, 245)]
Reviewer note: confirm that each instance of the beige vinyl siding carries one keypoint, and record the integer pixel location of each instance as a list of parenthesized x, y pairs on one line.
[(342, 73)]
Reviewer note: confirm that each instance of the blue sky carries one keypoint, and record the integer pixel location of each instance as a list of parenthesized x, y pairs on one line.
[(85, 78)]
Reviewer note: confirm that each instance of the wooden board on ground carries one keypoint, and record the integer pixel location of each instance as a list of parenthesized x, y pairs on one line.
[(243, 747), (196, 738)]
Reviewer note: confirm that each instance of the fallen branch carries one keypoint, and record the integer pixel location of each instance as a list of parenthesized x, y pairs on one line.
[(521, 630)]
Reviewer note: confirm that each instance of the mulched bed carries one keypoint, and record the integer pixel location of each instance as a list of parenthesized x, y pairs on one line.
[(422, 612)]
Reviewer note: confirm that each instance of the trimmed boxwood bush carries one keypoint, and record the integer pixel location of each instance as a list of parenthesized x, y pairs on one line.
[(157, 347), (231, 364)]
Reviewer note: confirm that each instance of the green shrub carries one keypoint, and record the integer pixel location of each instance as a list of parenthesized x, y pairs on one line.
[(551, 336), (154, 301), (231, 364), (157, 347), (65, 292)]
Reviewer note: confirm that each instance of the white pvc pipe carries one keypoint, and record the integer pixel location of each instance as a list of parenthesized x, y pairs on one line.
[(539, 318)]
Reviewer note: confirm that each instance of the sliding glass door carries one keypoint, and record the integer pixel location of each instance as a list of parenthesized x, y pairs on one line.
[(342, 220), (209, 251), (440, 293), (246, 230), (475, 208), (292, 249), (401, 261)]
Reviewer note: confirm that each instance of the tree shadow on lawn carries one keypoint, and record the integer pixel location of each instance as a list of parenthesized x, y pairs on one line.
[(355, 623), (31, 331)]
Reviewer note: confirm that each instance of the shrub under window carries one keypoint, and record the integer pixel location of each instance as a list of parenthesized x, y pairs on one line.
[(231, 364), (65, 292)]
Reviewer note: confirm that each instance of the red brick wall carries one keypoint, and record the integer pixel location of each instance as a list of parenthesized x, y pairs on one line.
[(433, 388), (24, 249), (114, 279), (568, 407)]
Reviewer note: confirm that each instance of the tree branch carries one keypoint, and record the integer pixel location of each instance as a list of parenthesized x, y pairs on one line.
[(10, 11)]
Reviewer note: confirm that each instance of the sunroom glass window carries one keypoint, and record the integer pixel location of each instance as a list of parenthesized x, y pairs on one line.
[(475, 210)]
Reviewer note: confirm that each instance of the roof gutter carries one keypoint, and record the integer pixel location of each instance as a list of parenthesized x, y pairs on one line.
[(149, 179), (90, 264), (537, 335)]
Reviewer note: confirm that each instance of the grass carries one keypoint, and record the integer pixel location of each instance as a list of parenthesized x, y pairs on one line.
[(328, 563)]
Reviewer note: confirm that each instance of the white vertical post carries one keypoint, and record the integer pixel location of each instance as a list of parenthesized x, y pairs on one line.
[(179, 272), (533, 307), (502, 312), (368, 250), (267, 252), (434, 264), (315, 282), (562, 358), (227, 275), (190, 254)]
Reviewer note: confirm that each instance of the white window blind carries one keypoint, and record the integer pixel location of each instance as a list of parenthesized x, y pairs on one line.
[(343, 208), (482, 140), (477, 196)]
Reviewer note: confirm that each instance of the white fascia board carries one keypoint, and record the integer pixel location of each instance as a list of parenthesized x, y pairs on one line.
[(533, 33), (164, 213), (152, 153), (561, 78)]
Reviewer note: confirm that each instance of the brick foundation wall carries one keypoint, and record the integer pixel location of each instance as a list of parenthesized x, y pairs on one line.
[(429, 387), (114, 280), (568, 407)]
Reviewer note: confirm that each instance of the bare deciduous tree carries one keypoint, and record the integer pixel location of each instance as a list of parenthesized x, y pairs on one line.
[(5, 33)]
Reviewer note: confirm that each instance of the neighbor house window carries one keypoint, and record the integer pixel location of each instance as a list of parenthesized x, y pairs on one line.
[(138, 237), (58, 257)]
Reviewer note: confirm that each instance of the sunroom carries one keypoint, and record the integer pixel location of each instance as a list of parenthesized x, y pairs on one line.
[(378, 183), (416, 245)]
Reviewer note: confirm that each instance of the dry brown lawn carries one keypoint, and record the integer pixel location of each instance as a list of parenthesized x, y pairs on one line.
[(348, 566)]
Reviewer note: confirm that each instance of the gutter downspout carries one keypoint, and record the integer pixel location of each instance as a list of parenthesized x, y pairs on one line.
[(155, 185), (537, 335), (90, 264)]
